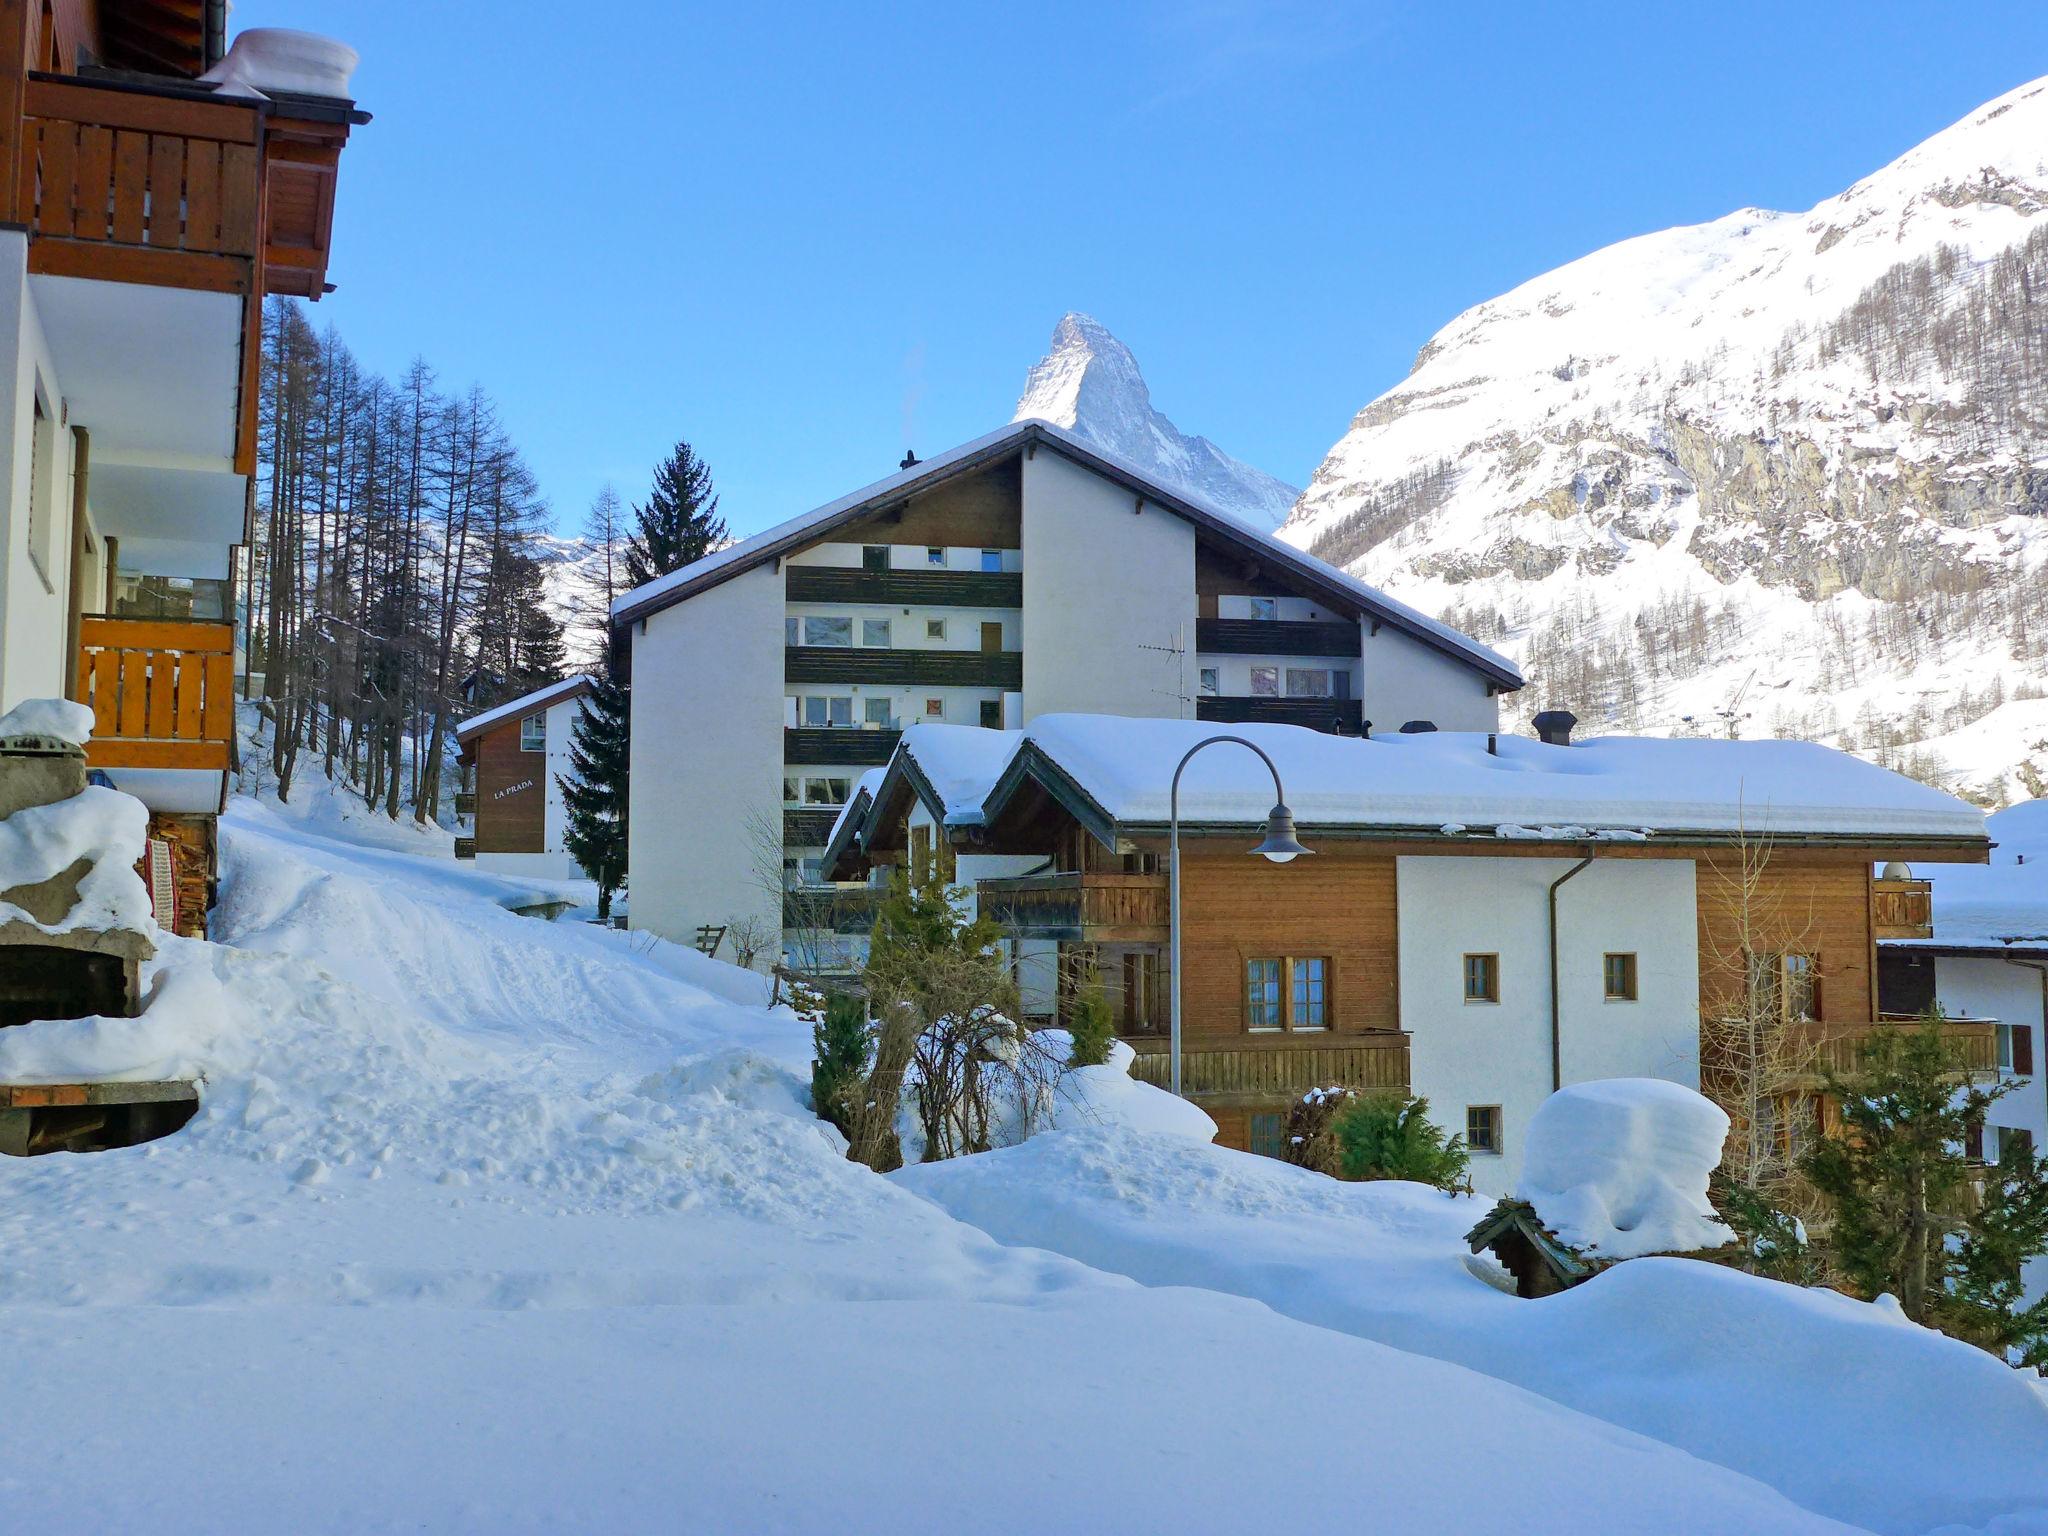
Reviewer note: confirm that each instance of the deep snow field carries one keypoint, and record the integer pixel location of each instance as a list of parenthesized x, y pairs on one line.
[(492, 1225)]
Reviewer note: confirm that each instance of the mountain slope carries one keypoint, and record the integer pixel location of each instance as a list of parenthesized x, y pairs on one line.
[(1775, 473), (1090, 383)]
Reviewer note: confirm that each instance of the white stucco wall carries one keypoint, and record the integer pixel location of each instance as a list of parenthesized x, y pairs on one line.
[(707, 757), (1986, 987), (1401, 679), (1467, 1054), (34, 602), (1109, 595)]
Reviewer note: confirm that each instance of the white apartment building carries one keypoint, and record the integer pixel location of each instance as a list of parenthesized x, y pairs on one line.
[(1019, 574)]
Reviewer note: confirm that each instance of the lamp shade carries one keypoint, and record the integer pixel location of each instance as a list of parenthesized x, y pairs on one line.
[(1280, 844)]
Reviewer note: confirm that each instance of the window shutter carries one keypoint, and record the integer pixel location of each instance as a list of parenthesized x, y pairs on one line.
[(2023, 1050)]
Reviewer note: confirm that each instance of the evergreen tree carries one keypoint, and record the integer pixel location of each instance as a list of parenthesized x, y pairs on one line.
[(2009, 1227), (840, 1047), (679, 521), (1380, 1136), (594, 792), (1090, 1028)]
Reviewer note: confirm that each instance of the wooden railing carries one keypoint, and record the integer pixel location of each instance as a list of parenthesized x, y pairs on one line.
[(833, 909), (112, 168), (1819, 1050), (1377, 1062), (1099, 908), (162, 692), (1902, 909)]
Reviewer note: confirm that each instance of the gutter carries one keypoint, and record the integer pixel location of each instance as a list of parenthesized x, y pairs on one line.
[(1556, 1023)]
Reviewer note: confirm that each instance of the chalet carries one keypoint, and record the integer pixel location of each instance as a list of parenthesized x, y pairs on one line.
[(1481, 918), (155, 188), (513, 757), (1973, 942), (1020, 574)]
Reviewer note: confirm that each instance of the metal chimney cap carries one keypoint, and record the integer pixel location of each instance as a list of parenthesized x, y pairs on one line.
[(1417, 727), (1554, 726)]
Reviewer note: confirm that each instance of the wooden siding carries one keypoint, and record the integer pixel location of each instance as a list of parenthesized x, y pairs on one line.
[(923, 588), (1238, 572), (1903, 909), (937, 669), (1808, 902), (1339, 905), (829, 747), (983, 510), (1343, 716), (1277, 637), (511, 792), (162, 692)]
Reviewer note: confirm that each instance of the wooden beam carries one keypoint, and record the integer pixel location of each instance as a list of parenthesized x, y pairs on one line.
[(17, 22), (112, 263)]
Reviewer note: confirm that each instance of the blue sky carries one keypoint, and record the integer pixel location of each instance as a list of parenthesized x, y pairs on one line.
[(804, 237)]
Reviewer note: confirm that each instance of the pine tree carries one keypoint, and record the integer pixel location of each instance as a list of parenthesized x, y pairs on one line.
[(840, 1047), (594, 792), (1380, 1136), (679, 522), (1090, 1027)]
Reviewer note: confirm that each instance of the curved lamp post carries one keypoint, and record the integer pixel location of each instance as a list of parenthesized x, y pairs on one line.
[(1280, 846)]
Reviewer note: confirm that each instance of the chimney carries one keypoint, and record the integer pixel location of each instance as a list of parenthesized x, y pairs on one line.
[(1554, 727), (909, 458), (1418, 727)]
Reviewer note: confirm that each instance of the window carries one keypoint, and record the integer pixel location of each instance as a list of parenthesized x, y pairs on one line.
[(920, 855), (1265, 607), (533, 733), (826, 791), (935, 709), (1308, 682), (819, 630), (2009, 1137), (1265, 682), (1212, 682), (1482, 1128), (1482, 978), (992, 714), (792, 790), (934, 556), (874, 632), (991, 559), (1262, 994), (874, 557), (1618, 977), (789, 630), (1308, 996), (1287, 993), (2016, 1049), (879, 713), (140, 596), (822, 710), (1786, 984), (1269, 1134), (935, 629), (42, 454)]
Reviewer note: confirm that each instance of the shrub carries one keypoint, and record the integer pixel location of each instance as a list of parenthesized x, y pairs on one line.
[(1090, 1026), (839, 1058), (1380, 1136), (1310, 1143)]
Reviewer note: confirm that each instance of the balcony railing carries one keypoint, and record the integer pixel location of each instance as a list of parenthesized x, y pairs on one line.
[(1093, 908), (1902, 909), (832, 909), (910, 589), (830, 746), (162, 692), (1339, 715), (1820, 1050), (465, 802), (1277, 637), (1282, 1070), (877, 666)]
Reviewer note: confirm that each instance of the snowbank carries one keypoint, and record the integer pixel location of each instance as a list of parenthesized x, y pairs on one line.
[(1619, 1168), (1109, 1096), (1840, 1405), (103, 828), (54, 719)]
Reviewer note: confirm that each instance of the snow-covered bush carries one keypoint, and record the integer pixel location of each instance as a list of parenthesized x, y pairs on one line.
[(1619, 1168)]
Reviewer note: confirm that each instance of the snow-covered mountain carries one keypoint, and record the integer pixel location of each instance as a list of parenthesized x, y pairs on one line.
[(1090, 384), (1782, 472)]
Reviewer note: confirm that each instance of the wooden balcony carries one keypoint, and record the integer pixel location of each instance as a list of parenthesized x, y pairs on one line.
[(1276, 637), (909, 589), (1833, 1048), (832, 909), (1090, 908), (1341, 716), (1265, 1072), (465, 802), (1902, 909), (882, 667), (833, 746), (162, 692)]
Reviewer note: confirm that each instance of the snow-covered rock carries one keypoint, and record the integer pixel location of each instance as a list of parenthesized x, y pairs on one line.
[(50, 719), (104, 829), (1618, 1168), (1089, 383), (1780, 472)]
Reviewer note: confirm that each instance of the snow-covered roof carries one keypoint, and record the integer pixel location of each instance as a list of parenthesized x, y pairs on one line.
[(721, 565), (525, 704), (1445, 784), (2002, 905)]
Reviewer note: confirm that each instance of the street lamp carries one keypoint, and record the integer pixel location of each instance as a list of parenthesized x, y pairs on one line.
[(1280, 846)]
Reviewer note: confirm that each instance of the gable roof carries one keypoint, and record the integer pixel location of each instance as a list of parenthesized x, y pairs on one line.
[(525, 704), (785, 538)]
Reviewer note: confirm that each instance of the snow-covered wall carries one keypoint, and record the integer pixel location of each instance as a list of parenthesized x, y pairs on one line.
[(34, 573), (1466, 1054), (1109, 597), (1403, 679), (707, 756)]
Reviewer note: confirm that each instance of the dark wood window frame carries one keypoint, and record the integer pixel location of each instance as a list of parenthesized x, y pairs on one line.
[(1487, 977), (1619, 976), (1490, 1118), (1288, 1024)]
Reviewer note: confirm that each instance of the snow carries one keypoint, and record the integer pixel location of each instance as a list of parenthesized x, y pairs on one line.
[(1618, 1168), (1843, 1406), (1612, 788), (1109, 1096), (525, 704), (2002, 904), (533, 1221), (265, 60), (961, 763), (50, 719), (103, 828)]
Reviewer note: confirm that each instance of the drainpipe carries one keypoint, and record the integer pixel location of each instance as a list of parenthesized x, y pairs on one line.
[(1556, 1025)]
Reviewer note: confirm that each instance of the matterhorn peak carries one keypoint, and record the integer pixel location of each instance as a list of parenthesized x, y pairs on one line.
[(1089, 383)]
